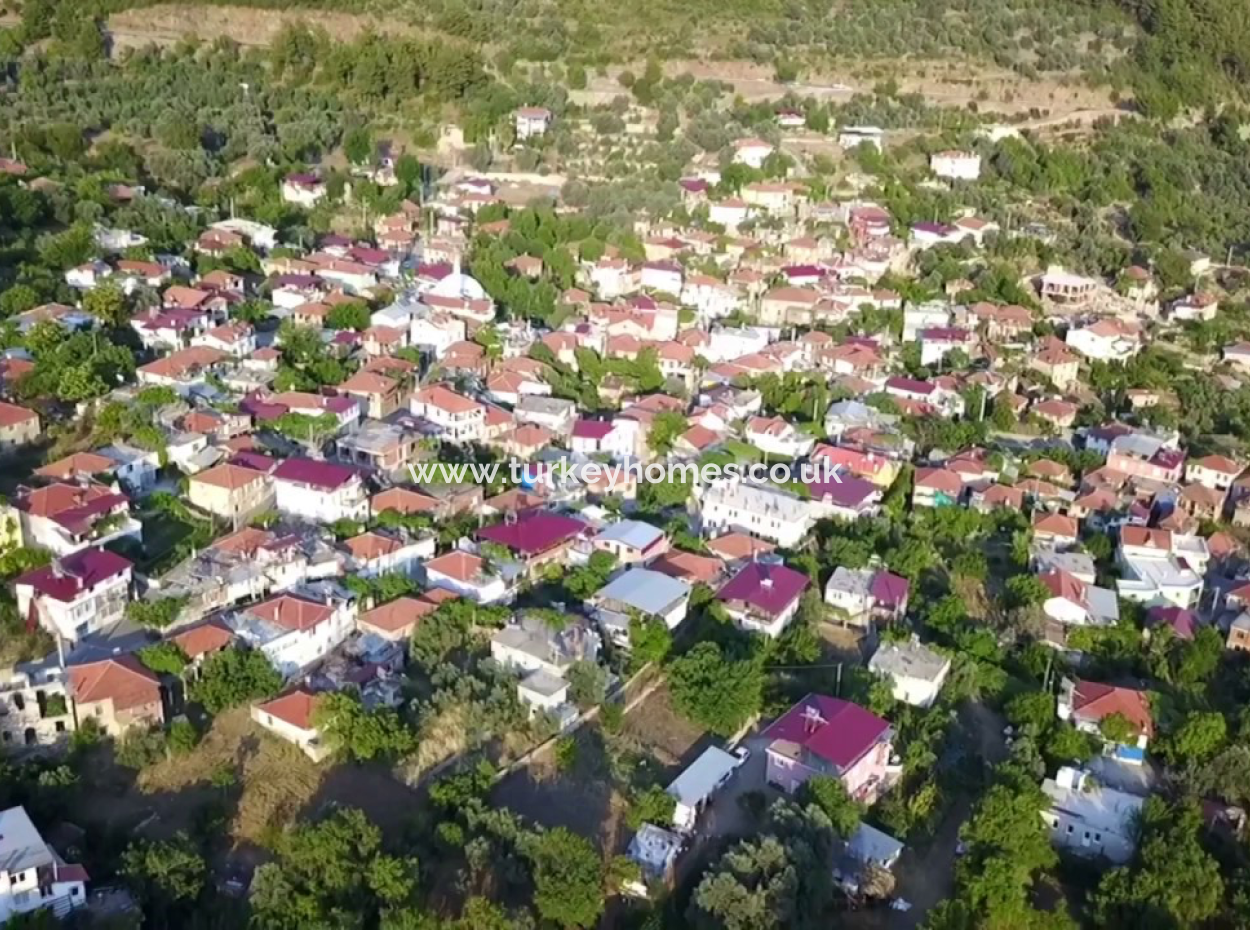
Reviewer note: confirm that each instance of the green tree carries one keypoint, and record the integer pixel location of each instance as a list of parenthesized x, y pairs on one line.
[(352, 315), (649, 640), (666, 426), (568, 878), (830, 795), (167, 875), (233, 677), (163, 658), (653, 805), (588, 683), (715, 691), (360, 734), (107, 304)]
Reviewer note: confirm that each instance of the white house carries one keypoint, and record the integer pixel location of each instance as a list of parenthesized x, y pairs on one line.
[(32, 876), (304, 190), (76, 595), (457, 418), (761, 510), (730, 213), (532, 122), (957, 166), (1088, 819), (775, 436), (290, 717), (1107, 340), (751, 152), (662, 276), (916, 672), (295, 631), (697, 783), (319, 491), (851, 137), (467, 575), (640, 592), (1160, 568)]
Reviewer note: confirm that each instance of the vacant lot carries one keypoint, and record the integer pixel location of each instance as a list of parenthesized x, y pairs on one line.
[(663, 733)]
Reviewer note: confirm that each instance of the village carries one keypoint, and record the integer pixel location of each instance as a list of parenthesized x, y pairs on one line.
[(237, 529)]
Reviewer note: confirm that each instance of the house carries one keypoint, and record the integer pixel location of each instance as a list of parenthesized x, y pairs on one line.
[(852, 137), (319, 491), (33, 876), (642, 593), (631, 542), (1090, 819), (1089, 704), (304, 190), (1057, 362), (690, 567), (1067, 290), (385, 448), (1159, 567), (849, 590), (34, 705), (697, 783), (230, 491), (531, 122), (18, 426), (396, 620), (763, 597), (75, 595), (542, 655), (822, 735), (467, 575), (915, 671), (290, 717), (536, 537), (379, 396), (1073, 601), (118, 693), (294, 631), (940, 341), (553, 413), (455, 417), (758, 509), (1107, 340), (751, 152), (1144, 456), (654, 850), (375, 553), (184, 370), (619, 438), (775, 436), (66, 517), (1212, 471), (1055, 530), (957, 166), (936, 487)]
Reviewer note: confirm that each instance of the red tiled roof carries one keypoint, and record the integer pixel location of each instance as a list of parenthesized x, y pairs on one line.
[(1095, 702), (203, 638), (292, 613), (124, 680), (295, 708), (397, 615), (325, 475)]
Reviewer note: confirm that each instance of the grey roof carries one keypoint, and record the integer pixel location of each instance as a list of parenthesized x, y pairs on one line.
[(852, 580), (633, 533), (909, 660), (21, 846), (870, 845), (702, 776), (534, 403), (530, 634), (544, 683), (645, 590)]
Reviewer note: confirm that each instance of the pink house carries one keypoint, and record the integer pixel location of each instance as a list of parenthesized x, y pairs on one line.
[(826, 736)]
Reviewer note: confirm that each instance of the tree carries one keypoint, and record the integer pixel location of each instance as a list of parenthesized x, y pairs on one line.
[(654, 805), (715, 691), (1117, 728), (351, 315), (156, 614), (583, 582), (830, 795), (1198, 739), (163, 658), (358, 146), (107, 304), (1172, 883), (233, 677), (588, 683), (666, 426), (568, 877), (649, 640), (329, 874), (168, 875), (1026, 591), (360, 734)]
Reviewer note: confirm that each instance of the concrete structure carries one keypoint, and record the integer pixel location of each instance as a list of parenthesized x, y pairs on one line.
[(915, 671), (1090, 820), (32, 875)]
